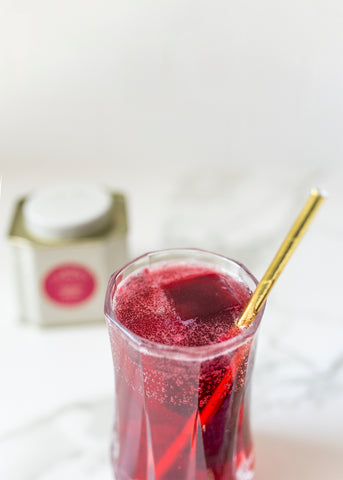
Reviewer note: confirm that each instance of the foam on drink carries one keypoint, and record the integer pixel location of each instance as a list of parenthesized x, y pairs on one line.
[(181, 304)]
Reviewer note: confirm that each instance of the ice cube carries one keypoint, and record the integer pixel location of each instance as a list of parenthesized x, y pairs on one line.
[(201, 296)]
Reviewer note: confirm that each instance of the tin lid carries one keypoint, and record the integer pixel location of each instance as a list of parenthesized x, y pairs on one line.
[(68, 210)]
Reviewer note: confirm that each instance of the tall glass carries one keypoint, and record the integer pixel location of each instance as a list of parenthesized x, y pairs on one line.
[(181, 413)]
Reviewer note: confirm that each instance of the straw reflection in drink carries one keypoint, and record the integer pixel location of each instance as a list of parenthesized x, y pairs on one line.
[(182, 367)]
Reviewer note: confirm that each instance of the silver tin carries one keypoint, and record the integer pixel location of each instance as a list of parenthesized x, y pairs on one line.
[(59, 282)]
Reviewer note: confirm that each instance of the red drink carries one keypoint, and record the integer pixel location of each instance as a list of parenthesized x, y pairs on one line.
[(182, 370)]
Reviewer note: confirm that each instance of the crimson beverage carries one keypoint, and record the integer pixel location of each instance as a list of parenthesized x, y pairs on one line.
[(182, 367)]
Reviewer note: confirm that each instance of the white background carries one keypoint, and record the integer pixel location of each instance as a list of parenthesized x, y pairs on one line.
[(215, 118)]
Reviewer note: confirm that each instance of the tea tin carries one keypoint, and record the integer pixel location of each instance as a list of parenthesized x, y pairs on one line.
[(66, 240)]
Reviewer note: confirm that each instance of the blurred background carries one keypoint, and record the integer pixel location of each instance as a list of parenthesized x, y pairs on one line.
[(214, 119)]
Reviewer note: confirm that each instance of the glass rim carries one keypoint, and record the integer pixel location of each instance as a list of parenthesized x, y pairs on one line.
[(178, 351)]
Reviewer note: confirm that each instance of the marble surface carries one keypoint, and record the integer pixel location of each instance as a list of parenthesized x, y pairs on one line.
[(215, 132), (56, 401)]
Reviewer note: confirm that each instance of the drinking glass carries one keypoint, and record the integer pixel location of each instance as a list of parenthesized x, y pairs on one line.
[(181, 413)]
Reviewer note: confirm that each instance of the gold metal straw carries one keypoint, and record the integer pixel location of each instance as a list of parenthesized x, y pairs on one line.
[(281, 258)]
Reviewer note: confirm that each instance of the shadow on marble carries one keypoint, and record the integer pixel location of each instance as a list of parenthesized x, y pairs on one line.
[(292, 459)]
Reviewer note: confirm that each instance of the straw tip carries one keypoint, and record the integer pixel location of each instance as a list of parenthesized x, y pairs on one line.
[(319, 192)]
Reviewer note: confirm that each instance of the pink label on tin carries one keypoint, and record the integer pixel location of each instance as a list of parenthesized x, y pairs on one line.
[(69, 284)]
